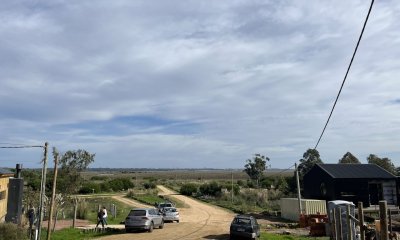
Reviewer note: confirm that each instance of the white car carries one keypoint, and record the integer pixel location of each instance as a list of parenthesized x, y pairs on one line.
[(170, 214), (143, 219)]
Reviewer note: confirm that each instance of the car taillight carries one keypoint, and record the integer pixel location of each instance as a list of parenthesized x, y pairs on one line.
[(145, 218)]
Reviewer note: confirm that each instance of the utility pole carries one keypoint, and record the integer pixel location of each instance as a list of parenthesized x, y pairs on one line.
[(53, 194), (232, 186), (298, 189), (42, 192)]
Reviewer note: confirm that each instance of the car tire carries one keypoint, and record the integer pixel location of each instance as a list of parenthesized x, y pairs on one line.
[(151, 227), (161, 225), (177, 221)]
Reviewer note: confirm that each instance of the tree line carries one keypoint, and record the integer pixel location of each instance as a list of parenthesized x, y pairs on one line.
[(256, 166)]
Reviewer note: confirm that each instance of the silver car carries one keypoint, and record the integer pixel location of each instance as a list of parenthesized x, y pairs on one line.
[(143, 219), (170, 214)]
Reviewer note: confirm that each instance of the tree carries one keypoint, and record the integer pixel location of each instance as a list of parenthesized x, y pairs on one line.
[(256, 166), (72, 163), (310, 158), (349, 158), (385, 163)]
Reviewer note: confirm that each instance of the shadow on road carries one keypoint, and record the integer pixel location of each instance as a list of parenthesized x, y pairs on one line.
[(219, 237)]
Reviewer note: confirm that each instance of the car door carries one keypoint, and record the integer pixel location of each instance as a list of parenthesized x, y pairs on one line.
[(156, 218), (256, 227)]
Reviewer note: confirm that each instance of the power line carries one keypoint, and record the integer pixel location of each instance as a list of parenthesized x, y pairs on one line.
[(347, 72), (284, 170), (23, 147)]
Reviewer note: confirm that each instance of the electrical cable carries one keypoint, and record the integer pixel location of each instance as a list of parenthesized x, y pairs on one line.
[(279, 173), (347, 72)]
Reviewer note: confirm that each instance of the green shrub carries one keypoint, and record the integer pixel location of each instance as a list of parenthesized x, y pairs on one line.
[(82, 209), (119, 184), (149, 185), (99, 178), (10, 231), (188, 189), (90, 187), (210, 189)]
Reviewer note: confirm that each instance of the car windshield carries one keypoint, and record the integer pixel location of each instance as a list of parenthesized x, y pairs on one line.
[(242, 221), (137, 213)]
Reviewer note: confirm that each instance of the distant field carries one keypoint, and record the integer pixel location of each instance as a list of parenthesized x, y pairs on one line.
[(197, 174)]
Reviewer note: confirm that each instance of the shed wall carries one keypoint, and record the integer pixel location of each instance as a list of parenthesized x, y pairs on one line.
[(290, 207)]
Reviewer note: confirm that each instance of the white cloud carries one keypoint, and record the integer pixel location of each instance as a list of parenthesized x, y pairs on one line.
[(244, 76)]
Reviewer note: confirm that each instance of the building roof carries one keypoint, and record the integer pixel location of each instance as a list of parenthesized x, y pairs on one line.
[(356, 171), (6, 173)]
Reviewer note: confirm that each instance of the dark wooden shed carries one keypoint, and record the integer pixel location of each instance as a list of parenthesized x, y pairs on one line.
[(367, 183)]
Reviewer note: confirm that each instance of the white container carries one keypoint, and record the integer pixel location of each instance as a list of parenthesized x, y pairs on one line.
[(290, 208)]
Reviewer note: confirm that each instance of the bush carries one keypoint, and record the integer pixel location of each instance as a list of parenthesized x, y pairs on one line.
[(149, 185), (119, 184), (88, 188), (99, 178), (211, 189), (82, 209), (188, 189), (10, 231)]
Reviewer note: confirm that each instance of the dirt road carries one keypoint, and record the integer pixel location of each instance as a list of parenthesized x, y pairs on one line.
[(198, 221)]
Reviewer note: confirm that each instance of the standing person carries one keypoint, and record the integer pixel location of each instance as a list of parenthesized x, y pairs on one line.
[(31, 218), (100, 217), (105, 215)]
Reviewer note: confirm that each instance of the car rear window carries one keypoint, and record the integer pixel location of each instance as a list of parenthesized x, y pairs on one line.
[(242, 221), (170, 209), (137, 213)]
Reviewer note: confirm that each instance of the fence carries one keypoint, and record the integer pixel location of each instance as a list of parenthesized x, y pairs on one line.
[(343, 224)]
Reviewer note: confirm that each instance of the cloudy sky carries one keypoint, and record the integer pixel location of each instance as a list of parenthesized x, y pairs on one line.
[(193, 84)]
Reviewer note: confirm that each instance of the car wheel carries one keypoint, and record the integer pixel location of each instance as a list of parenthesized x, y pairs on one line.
[(161, 225), (177, 221), (151, 227)]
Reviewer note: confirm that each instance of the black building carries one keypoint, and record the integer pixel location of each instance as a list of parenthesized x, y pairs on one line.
[(367, 183)]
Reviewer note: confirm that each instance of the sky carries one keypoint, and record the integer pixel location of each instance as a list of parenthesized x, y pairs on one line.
[(198, 84)]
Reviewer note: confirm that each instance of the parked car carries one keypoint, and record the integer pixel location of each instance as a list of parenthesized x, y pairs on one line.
[(170, 214), (244, 226), (143, 219), (163, 205)]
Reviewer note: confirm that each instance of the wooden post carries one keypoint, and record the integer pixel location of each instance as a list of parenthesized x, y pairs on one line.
[(75, 210), (333, 225), (361, 220), (390, 221), (349, 225), (42, 191), (53, 194), (340, 224), (384, 220)]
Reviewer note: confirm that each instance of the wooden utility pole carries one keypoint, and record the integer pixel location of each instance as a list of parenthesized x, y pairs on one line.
[(298, 189), (42, 191), (361, 220), (53, 194)]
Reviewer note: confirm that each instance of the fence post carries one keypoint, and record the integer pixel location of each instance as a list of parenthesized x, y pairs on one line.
[(349, 228), (384, 220), (361, 220), (333, 225), (340, 224), (75, 210)]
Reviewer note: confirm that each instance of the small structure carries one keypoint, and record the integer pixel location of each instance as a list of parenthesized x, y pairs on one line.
[(4, 180), (367, 183), (290, 208)]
